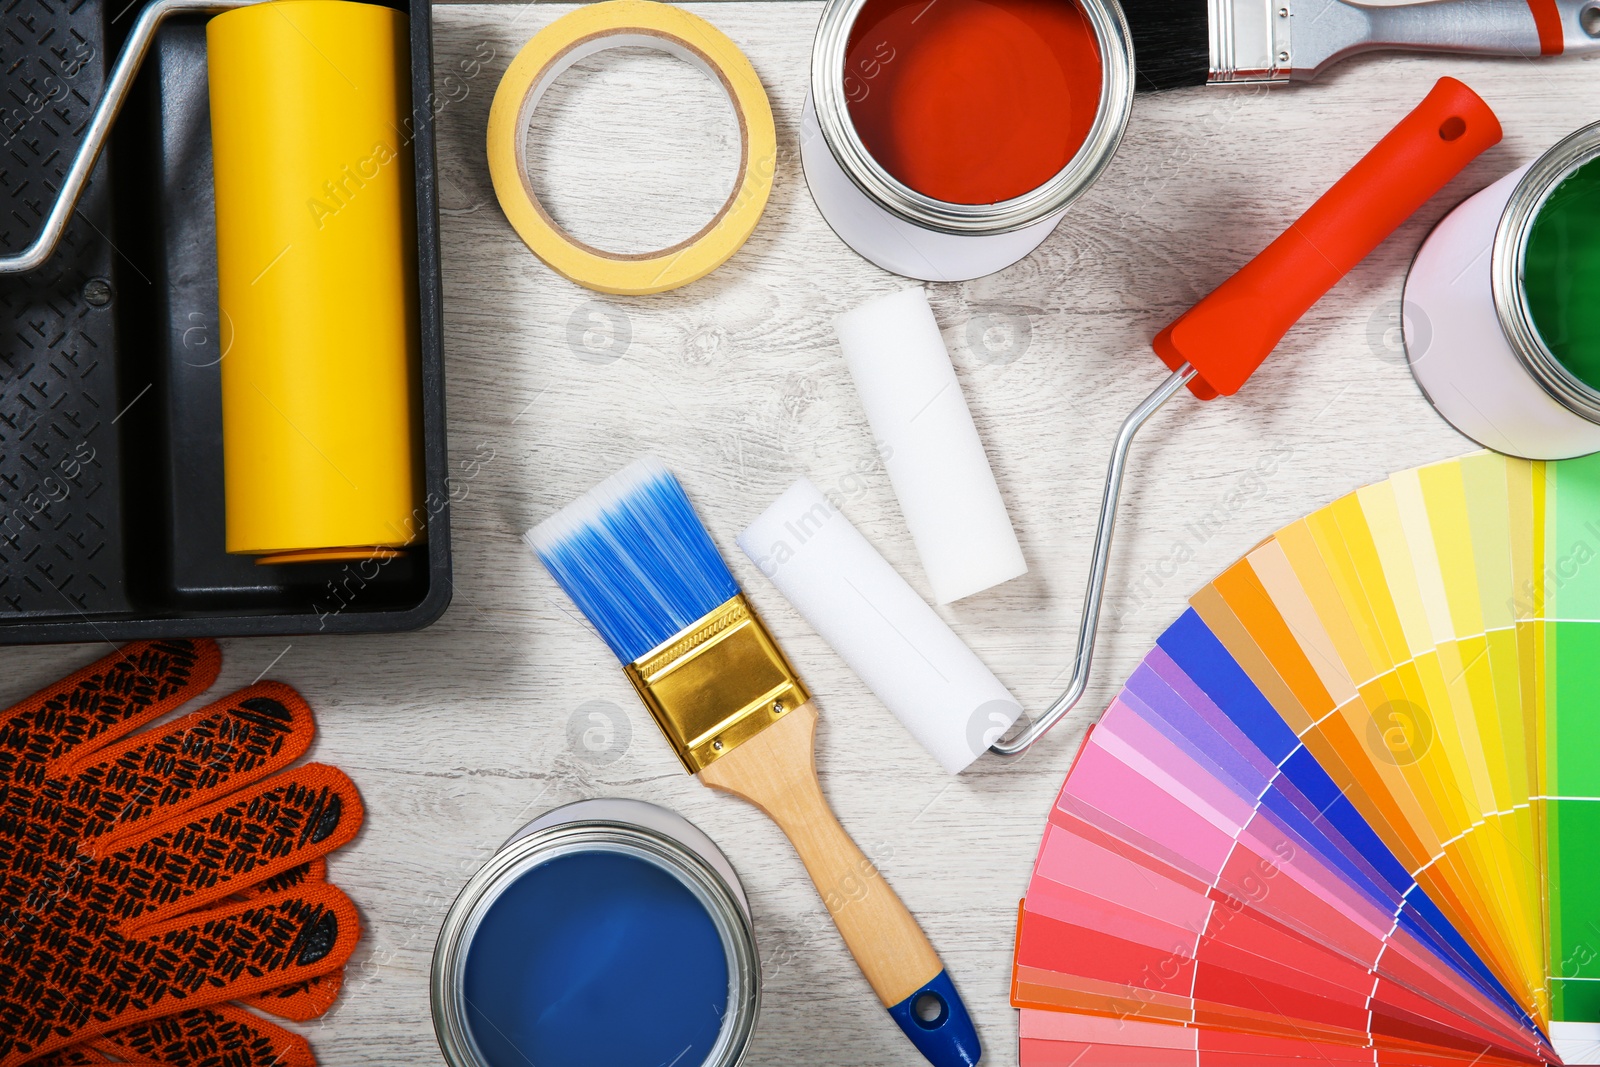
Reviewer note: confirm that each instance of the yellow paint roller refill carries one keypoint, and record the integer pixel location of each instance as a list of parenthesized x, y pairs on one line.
[(316, 279)]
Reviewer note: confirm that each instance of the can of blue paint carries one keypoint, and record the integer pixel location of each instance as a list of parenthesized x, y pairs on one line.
[(607, 933)]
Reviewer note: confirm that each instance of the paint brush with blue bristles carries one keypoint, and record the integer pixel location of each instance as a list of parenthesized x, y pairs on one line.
[(634, 556)]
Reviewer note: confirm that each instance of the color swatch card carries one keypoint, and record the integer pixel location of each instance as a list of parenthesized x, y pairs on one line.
[(1348, 808)]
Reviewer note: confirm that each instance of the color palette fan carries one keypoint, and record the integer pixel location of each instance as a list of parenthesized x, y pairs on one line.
[(1348, 808)]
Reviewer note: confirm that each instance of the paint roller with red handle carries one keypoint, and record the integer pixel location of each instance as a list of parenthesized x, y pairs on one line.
[(1215, 346), (1226, 336)]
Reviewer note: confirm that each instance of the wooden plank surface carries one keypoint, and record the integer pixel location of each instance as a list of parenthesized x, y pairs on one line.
[(510, 705)]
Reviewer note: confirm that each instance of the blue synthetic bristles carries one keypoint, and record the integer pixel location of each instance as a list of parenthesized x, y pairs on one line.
[(635, 557)]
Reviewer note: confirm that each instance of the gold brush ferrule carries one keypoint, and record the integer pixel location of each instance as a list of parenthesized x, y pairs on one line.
[(717, 684)]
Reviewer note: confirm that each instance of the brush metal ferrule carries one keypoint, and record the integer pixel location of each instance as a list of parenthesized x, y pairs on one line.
[(716, 684), (1249, 40)]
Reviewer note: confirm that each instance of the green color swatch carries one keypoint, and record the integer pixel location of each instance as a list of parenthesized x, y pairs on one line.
[(1572, 738)]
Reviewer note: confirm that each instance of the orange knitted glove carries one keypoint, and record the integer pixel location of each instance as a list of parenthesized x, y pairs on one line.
[(224, 1035), (147, 878)]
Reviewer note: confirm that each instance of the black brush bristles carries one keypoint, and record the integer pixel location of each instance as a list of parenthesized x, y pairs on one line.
[(1171, 43)]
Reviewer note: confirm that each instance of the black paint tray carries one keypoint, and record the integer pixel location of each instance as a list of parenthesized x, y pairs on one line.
[(111, 498)]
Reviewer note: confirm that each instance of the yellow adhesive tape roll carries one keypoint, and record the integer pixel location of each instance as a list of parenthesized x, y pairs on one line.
[(581, 34), (316, 278)]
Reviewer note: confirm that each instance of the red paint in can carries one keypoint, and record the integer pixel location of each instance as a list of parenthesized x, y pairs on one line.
[(972, 101)]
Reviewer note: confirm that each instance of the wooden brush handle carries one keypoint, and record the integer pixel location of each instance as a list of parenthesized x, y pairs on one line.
[(776, 771)]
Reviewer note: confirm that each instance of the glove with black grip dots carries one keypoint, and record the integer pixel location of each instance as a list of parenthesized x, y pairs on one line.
[(148, 879)]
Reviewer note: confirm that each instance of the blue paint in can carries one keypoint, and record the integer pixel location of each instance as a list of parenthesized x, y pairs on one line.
[(596, 959)]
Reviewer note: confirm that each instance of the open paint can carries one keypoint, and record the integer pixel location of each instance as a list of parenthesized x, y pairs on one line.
[(606, 933), (1502, 308), (945, 141)]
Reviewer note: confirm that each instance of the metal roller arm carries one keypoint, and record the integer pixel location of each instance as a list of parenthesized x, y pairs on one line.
[(105, 113), (1095, 593)]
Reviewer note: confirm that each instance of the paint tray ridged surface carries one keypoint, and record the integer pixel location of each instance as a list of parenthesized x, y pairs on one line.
[(1348, 808)]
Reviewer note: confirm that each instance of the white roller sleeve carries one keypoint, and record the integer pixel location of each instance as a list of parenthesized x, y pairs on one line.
[(888, 634), (936, 461)]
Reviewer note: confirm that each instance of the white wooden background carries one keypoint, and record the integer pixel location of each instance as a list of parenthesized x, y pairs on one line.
[(510, 704)]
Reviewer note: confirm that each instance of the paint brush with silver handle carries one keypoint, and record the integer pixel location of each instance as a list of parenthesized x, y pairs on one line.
[(1178, 43)]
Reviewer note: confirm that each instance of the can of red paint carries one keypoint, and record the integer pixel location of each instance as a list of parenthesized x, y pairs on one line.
[(944, 140), (1502, 308)]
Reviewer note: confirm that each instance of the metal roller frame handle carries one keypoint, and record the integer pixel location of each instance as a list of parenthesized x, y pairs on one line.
[(105, 113), (1095, 593)]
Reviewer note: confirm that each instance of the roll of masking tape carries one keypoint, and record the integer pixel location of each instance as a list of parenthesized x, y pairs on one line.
[(316, 279), (615, 24)]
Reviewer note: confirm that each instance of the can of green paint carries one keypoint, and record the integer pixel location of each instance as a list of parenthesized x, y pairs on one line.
[(1502, 308)]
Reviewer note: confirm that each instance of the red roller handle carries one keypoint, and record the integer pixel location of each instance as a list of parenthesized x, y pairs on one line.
[(1227, 335)]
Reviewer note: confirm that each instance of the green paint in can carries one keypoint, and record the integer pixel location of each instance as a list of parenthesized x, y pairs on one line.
[(1561, 273)]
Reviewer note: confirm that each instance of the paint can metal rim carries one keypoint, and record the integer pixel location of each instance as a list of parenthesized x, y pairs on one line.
[(1506, 278), (627, 827), (1470, 340), (910, 233), (837, 129)]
